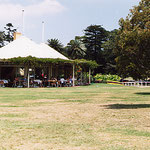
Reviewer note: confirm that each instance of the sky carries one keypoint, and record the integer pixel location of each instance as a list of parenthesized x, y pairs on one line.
[(63, 19)]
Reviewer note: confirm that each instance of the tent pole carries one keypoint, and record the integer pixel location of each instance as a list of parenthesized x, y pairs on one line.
[(51, 70), (0, 72), (89, 75), (81, 78), (34, 73), (56, 72), (49, 74), (25, 72), (43, 31), (28, 78), (73, 75), (16, 71), (23, 22)]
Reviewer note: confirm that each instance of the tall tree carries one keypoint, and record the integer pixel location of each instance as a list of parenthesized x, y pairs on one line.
[(95, 36), (9, 32), (1, 39), (133, 43), (56, 44), (109, 54), (76, 49)]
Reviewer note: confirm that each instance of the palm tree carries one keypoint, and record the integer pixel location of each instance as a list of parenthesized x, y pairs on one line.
[(56, 44), (76, 49)]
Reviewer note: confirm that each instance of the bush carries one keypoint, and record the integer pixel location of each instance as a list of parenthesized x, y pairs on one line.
[(106, 78)]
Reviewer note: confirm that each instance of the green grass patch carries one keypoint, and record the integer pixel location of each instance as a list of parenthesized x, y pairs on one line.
[(129, 132), (13, 115)]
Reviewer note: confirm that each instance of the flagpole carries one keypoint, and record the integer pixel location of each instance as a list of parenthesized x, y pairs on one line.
[(43, 30), (23, 22)]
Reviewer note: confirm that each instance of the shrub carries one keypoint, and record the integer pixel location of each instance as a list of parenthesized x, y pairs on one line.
[(105, 78)]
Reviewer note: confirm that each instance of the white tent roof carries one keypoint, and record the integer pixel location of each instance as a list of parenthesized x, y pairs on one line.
[(52, 52), (24, 47)]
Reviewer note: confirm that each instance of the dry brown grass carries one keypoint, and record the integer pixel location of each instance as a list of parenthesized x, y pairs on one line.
[(82, 118)]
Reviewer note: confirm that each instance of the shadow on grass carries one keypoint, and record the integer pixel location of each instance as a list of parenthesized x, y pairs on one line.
[(127, 106), (143, 93)]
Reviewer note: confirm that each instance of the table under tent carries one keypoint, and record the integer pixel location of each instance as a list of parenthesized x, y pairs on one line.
[(24, 63)]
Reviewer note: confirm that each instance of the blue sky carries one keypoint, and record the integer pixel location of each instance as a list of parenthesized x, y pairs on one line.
[(64, 19)]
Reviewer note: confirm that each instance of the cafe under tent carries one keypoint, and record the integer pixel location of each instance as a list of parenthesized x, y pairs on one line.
[(24, 63)]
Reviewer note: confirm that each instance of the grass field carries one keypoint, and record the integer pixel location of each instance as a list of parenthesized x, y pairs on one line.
[(96, 117)]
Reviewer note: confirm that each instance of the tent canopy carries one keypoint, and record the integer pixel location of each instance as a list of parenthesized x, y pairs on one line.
[(23, 47)]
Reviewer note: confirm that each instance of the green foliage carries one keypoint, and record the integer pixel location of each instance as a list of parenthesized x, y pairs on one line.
[(76, 49), (95, 36), (56, 44), (132, 44), (7, 35), (9, 32), (108, 52), (108, 77), (33, 62), (86, 63), (1, 39)]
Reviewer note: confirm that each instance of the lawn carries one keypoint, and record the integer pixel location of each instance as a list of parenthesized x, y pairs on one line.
[(95, 117)]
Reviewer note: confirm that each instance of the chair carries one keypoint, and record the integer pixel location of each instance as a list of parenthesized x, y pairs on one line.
[(53, 83), (2, 83), (58, 84)]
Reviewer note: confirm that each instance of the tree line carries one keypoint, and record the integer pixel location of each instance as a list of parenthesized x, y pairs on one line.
[(96, 44), (124, 51), (7, 35)]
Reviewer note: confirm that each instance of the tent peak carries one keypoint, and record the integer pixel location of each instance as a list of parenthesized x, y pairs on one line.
[(23, 47)]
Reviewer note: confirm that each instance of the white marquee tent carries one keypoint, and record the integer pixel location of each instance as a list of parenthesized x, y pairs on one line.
[(23, 47)]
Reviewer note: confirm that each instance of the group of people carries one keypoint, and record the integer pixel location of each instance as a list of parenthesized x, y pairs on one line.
[(44, 82), (67, 82), (20, 82), (61, 82)]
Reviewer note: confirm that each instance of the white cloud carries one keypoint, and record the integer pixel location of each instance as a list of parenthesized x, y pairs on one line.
[(9, 11), (12, 11), (45, 7)]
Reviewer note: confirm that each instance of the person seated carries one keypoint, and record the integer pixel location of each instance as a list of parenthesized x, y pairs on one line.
[(53, 82), (24, 82), (16, 82), (70, 80), (1, 83), (45, 82), (62, 81)]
